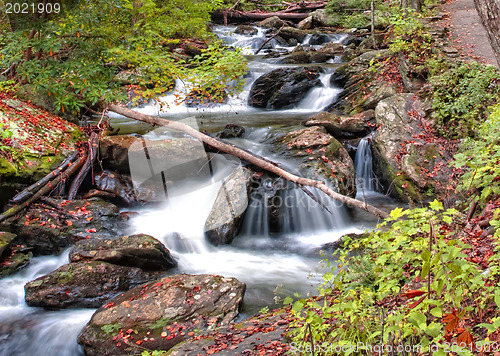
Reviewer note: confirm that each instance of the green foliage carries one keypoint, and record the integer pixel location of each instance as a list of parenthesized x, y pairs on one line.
[(354, 13), (461, 97), (410, 246), (5, 133), (111, 328), (154, 353), (481, 157), (74, 56)]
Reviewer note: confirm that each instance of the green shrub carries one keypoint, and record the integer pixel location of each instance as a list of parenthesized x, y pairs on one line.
[(461, 97)]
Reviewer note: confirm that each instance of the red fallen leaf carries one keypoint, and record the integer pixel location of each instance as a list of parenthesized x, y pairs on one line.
[(89, 218), (413, 293), (138, 342), (405, 185), (158, 284), (465, 338), (414, 304), (451, 321)]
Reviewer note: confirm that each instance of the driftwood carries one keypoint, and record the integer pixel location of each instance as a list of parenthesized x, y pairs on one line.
[(89, 162), (32, 189), (249, 157), (44, 189), (269, 39), (243, 16)]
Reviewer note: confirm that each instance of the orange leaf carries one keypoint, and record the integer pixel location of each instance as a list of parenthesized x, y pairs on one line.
[(465, 338), (413, 293), (451, 321)]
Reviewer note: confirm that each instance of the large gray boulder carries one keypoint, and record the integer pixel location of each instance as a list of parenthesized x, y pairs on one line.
[(83, 285), (283, 88), (408, 166), (229, 208), (161, 314), (140, 250)]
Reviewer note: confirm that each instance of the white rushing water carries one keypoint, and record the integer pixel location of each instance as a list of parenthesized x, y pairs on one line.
[(363, 165), (26, 331)]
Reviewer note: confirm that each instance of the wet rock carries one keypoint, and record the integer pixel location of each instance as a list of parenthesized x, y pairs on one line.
[(339, 79), (318, 39), (83, 285), (322, 157), (254, 336), (282, 88), (398, 148), (229, 207), (113, 152), (118, 184), (288, 33), (341, 243), (141, 251), (343, 126), (332, 49), (47, 230), (296, 57), (231, 131), (246, 30), (271, 22), (162, 313), (306, 23), (412, 81), (14, 262)]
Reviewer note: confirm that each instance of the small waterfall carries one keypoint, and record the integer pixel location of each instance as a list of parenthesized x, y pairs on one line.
[(363, 165), (26, 331), (320, 97)]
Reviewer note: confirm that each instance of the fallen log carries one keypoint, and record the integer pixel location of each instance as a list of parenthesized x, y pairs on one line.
[(89, 162), (44, 189), (241, 16), (249, 157), (32, 189)]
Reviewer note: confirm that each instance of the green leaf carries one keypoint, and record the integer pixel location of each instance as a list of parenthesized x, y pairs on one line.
[(396, 213), (436, 205), (287, 300), (437, 312)]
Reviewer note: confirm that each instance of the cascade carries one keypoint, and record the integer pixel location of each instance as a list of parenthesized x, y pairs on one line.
[(363, 165)]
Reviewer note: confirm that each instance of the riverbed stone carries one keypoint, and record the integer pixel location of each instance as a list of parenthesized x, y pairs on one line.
[(297, 34), (162, 313), (341, 126), (119, 185), (272, 22), (259, 335), (246, 30), (48, 230), (83, 285), (321, 157), (231, 131), (406, 164), (283, 88), (139, 250), (229, 207), (113, 152), (14, 262)]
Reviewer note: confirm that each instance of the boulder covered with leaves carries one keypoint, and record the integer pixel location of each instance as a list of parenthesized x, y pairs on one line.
[(321, 157), (50, 226), (160, 314)]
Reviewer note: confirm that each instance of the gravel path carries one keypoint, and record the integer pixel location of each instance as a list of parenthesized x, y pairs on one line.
[(468, 34)]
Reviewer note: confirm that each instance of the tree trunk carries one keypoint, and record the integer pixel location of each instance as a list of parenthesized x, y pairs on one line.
[(245, 155), (243, 16), (489, 11)]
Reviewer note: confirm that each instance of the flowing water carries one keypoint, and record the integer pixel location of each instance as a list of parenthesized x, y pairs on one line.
[(271, 261)]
